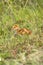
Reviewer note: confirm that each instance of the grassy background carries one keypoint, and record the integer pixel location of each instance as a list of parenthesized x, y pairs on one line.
[(30, 17)]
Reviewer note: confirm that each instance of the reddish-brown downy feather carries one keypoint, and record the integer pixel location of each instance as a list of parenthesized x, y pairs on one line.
[(21, 30)]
